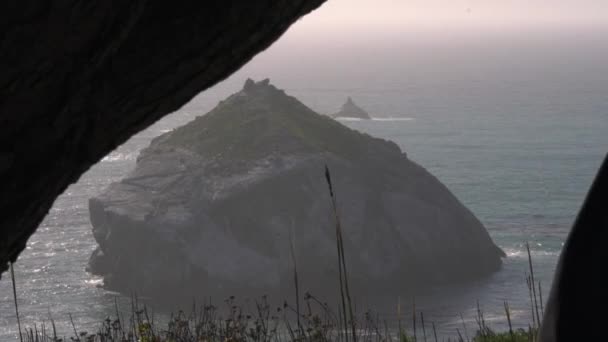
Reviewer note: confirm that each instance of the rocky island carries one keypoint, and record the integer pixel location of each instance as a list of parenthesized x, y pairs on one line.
[(213, 207), (351, 110)]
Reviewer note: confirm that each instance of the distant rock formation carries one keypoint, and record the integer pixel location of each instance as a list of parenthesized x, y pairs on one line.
[(213, 206), (351, 110)]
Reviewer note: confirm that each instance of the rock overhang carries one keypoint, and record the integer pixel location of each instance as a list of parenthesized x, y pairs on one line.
[(77, 81)]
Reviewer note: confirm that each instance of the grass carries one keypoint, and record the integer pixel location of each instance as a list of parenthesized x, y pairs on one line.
[(314, 320), (234, 321)]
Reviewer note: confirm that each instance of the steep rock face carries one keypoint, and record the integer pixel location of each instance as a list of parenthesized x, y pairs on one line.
[(351, 110), (213, 206), (78, 78)]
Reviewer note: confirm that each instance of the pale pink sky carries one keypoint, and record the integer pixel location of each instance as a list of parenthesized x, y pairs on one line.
[(415, 15)]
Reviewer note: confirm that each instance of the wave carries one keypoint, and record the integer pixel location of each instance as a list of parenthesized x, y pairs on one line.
[(113, 157), (393, 119), (348, 119), (374, 119), (522, 253), (96, 281)]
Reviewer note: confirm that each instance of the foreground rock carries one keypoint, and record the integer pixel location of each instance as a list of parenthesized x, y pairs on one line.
[(351, 111), (79, 78), (213, 206)]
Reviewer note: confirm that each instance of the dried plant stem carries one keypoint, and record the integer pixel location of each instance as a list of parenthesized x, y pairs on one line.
[(508, 312), (74, 327), (423, 328), (343, 273), (530, 285), (15, 299), (464, 326), (399, 318), (533, 284), (414, 318), (295, 280), (540, 297)]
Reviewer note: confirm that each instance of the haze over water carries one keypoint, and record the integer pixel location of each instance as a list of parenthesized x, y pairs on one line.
[(514, 124)]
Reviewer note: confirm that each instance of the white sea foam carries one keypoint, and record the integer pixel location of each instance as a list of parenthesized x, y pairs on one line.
[(393, 119), (112, 157), (348, 119), (375, 119), (94, 281), (521, 253)]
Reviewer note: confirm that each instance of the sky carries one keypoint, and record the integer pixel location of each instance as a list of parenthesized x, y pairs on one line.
[(417, 32), (427, 40), (380, 16)]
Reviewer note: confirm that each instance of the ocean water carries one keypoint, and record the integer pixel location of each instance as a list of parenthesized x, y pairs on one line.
[(516, 128)]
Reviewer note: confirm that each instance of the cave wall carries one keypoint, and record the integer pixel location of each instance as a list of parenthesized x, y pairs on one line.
[(78, 78)]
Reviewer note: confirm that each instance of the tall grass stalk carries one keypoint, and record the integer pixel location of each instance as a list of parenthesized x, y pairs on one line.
[(508, 313), (15, 300), (464, 327), (530, 285), (536, 306), (76, 338), (296, 282), (343, 273), (460, 339), (540, 296), (53, 325), (414, 318), (401, 333), (422, 323)]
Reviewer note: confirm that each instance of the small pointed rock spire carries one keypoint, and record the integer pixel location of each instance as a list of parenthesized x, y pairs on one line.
[(249, 85), (351, 110)]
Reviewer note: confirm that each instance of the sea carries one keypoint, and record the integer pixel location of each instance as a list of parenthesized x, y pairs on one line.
[(515, 125)]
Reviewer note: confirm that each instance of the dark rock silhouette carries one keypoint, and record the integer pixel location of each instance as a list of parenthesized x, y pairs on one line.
[(78, 78), (213, 206), (351, 110), (579, 284)]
